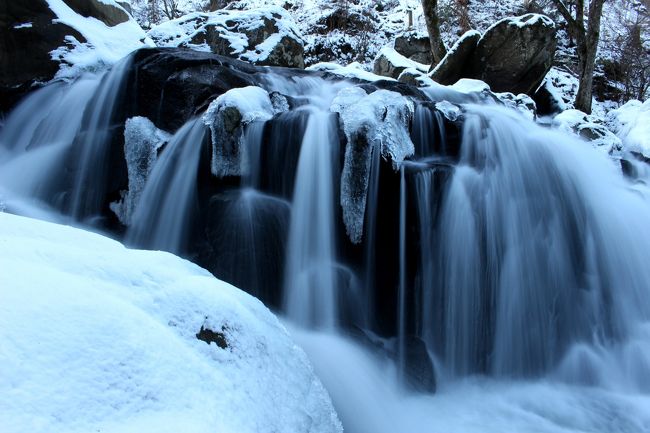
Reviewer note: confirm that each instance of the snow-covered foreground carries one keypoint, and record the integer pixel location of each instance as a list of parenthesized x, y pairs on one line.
[(96, 337), (368, 398)]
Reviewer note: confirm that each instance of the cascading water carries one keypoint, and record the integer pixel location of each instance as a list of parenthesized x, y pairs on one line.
[(310, 288), (162, 218), (61, 135), (518, 264)]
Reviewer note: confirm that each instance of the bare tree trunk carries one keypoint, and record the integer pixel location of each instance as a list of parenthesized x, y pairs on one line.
[(438, 50), (587, 45), (583, 99)]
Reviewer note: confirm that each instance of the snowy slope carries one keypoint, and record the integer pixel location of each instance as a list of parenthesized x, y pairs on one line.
[(631, 123), (96, 337), (104, 44)]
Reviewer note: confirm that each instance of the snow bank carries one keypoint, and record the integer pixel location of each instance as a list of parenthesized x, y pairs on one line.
[(249, 35), (375, 122), (142, 141), (104, 45), (470, 85), (562, 86), (353, 70), (96, 337), (631, 123), (590, 128)]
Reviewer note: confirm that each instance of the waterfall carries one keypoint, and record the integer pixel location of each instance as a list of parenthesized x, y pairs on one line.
[(162, 219), (310, 278), (508, 260), (93, 144)]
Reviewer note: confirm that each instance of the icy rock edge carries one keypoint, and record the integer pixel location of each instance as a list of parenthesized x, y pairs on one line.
[(227, 117), (142, 141), (371, 122)]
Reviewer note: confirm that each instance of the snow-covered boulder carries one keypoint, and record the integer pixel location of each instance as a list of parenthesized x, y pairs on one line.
[(376, 122), (142, 142), (589, 128), (515, 54), (228, 115), (390, 63), (44, 39), (264, 36), (631, 123), (97, 337)]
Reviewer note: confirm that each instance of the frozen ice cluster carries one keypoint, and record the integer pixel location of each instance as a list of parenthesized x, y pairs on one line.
[(228, 115), (373, 122), (142, 141)]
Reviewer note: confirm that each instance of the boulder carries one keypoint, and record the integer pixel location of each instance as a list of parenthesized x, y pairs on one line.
[(515, 54), (453, 66), (170, 86), (265, 36), (109, 13), (414, 47)]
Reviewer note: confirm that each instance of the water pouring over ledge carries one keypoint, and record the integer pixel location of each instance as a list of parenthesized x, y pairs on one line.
[(522, 266)]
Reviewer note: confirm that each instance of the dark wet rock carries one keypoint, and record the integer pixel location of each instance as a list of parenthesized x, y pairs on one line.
[(455, 63)]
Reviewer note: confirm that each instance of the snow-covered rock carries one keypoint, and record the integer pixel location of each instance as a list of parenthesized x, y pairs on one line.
[(375, 122), (263, 36), (631, 123), (589, 128), (390, 63), (515, 53), (227, 116), (521, 102), (97, 337), (558, 91), (45, 39), (353, 70), (142, 141), (415, 77)]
